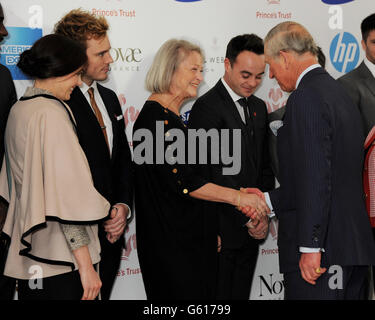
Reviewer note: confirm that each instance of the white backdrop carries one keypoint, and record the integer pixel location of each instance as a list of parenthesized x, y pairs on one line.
[(137, 30)]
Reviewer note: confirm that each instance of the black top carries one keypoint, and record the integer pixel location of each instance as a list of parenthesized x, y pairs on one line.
[(176, 239)]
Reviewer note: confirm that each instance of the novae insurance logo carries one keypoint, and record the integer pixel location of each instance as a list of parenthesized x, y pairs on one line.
[(18, 40), (126, 59), (344, 52)]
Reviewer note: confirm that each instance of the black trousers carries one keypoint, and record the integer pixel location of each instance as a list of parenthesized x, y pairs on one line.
[(66, 286), (235, 272), (7, 288), (7, 285), (109, 264), (354, 285)]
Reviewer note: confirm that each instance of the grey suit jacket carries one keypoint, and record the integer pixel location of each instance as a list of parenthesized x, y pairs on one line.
[(360, 85)]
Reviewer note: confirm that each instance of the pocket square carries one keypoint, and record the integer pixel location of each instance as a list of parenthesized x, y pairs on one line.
[(276, 125), (118, 118)]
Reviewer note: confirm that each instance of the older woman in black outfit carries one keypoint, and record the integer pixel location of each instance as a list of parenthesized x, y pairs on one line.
[(176, 239)]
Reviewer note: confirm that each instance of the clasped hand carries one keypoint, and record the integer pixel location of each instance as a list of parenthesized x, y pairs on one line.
[(252, 204), (115, 226), (257, 210)]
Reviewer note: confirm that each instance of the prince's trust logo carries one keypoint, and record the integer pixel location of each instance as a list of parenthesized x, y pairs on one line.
[(276, 99)]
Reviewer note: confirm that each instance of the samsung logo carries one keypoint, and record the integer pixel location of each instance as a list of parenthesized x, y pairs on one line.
[(336, 1)]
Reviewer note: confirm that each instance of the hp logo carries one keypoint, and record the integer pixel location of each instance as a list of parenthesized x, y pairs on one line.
[(344, 52)]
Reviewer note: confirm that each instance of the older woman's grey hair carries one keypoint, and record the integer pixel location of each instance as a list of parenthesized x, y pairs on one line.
[(166, 62), (289, 36)]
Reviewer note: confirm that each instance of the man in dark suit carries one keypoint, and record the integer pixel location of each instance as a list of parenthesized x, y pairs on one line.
[(101, 133), (231, 104), (325, 241), (275, 121), (7, 98), (360, 82)]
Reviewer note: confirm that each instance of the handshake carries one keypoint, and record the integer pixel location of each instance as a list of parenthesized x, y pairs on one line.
[(251, 202)]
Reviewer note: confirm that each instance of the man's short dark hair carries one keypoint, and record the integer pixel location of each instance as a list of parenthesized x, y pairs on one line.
[(367, 25), (245, 42)]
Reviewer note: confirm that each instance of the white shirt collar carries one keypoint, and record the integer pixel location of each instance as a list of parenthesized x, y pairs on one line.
[(232, 94), (370, 66), (312, 67), (84, 87)]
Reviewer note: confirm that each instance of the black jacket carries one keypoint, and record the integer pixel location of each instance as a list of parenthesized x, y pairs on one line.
[(320, 202), (216, 109)]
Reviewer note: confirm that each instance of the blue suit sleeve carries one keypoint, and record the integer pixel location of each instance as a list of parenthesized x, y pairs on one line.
[(311, 144)]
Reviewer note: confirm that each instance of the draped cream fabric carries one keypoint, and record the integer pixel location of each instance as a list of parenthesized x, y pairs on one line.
[(51, 183)]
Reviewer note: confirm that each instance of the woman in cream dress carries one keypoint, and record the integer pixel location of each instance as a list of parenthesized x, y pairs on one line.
[(54, 208)]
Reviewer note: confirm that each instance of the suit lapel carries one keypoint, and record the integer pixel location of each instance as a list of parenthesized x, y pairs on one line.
[(367, 76), (84, 111), (106, 100), (230, 107), (259, 117), (81, 106), (81, 102), (108, 103)]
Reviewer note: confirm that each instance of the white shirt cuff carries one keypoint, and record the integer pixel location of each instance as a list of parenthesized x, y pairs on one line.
[(310, 250), (269, 204), (130, 212)]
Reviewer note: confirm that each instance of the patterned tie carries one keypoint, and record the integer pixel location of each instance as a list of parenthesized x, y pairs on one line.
[(98, 114)]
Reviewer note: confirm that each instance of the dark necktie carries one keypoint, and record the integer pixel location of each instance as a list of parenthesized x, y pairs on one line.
[(249, 122), (249, 125), (98, 114)]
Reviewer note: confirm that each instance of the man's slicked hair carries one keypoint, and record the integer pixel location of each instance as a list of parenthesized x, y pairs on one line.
[(367, 25), (245, 42)]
